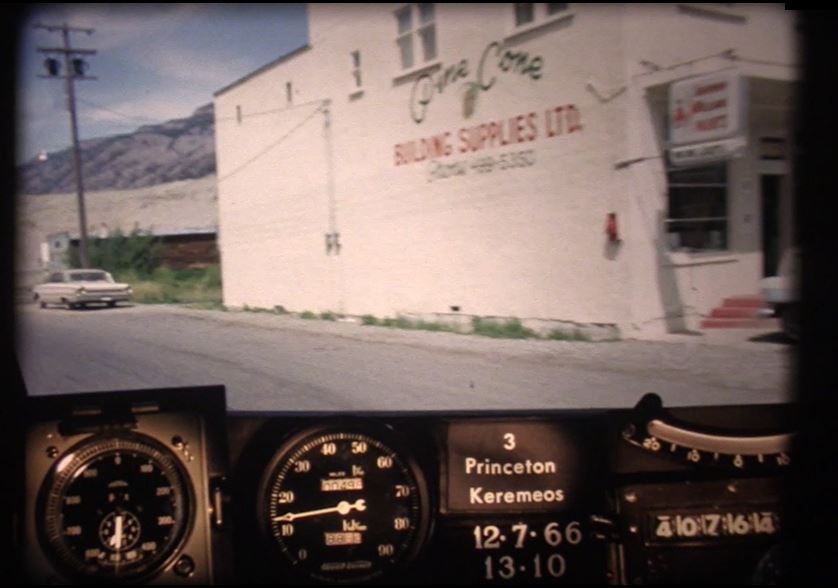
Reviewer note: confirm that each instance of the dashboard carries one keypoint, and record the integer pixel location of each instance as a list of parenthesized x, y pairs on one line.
[(168, 486)]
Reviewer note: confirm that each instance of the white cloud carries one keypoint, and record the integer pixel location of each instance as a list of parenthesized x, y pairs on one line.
[(154, 63), (149, 37)]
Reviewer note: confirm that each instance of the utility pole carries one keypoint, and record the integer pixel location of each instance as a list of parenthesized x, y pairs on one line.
[(73, 69)]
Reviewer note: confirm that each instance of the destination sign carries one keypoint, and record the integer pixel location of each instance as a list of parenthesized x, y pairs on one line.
[(512, 466)]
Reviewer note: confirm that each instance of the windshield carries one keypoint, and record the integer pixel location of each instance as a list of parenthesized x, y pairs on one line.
[(88, 277), (410, 206)]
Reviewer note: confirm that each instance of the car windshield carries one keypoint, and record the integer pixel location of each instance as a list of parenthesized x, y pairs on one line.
[(410, 206), (88, 277)]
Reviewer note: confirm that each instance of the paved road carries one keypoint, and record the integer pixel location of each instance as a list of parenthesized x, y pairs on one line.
[(270, 362)]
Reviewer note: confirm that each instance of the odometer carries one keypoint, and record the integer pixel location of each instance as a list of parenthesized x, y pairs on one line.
[(343, 506), (114, 508)]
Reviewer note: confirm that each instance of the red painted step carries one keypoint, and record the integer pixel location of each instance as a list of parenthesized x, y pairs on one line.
[(739, 312), (744, 302)]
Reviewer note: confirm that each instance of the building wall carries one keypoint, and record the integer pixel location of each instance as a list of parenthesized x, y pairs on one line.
[(672, 290), (521, 242), (426, 236)]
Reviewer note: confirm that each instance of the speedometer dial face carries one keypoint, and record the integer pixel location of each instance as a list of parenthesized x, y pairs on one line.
[(114, 508), (343, 506)]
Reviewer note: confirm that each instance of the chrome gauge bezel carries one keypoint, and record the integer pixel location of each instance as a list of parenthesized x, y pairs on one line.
[(305, 440), (63, 474)]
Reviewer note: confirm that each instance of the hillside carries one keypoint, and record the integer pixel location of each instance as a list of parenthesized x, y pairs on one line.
[(176, 150)]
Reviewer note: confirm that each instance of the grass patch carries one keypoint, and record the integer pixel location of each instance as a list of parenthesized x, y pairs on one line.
[(281, 310), (510, 329), (211, 305), (278, 309), (398, 322), (406, 323), (368, 320), (168, 286), (507, 329), (559, 335), (427, 326)]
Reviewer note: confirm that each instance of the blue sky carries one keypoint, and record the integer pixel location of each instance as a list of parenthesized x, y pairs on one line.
[(154, 63)]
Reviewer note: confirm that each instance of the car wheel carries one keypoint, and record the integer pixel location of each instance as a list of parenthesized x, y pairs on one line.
[(111, 304), (42, 304), (790, 320)]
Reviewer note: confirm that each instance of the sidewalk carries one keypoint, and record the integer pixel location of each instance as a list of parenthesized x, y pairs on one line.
[(726, 337), (769, 339), (711, 345)]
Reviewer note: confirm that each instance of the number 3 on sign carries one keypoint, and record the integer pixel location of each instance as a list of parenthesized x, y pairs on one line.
[(509, 441)]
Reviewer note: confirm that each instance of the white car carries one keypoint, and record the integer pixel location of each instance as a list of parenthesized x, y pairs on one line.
[(77, 288)]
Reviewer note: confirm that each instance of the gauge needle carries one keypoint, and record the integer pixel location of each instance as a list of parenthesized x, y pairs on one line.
[(116, 539), (342, 508)]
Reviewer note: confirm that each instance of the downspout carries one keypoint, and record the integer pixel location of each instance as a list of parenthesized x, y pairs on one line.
[(333, 244)]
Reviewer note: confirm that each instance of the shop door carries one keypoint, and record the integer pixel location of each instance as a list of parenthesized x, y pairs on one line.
[(770, 188)]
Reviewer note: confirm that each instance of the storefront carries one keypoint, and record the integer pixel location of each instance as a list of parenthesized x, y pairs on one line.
[(625, 167)]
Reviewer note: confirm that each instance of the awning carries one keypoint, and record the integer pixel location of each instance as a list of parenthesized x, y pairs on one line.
[(707, 152)]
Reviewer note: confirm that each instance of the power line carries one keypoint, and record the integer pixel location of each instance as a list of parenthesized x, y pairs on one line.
[(220, 119), (271, 111), (125, 116), (323, 103), (729, 54)]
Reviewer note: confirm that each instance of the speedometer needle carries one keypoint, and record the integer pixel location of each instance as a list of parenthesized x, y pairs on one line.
[(342, 508), (116, 539)]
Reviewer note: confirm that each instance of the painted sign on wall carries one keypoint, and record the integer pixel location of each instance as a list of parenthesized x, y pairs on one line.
[(514, 130), (494, 61), (707, 108)]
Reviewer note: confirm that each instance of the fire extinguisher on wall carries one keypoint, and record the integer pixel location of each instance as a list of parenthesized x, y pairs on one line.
[(611, 228)]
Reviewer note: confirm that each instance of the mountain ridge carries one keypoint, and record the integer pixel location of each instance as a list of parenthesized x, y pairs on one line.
[(178, 149)]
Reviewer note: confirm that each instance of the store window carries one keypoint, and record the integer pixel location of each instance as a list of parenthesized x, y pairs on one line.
[(697, 211), (524, 14), (356, 70), (416, 34), (527, 14), (555, 7)]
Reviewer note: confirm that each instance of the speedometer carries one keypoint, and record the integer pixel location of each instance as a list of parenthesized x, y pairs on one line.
[(115, 508), (342, 505)]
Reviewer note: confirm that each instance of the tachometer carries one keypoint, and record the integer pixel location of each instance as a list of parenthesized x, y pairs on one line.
[(343, 506), (115, 508)]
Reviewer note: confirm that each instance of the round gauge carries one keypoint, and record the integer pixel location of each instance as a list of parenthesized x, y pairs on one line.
[(343, 506), (114, 508)]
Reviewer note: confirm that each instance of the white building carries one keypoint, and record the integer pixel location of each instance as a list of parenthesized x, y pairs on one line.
[(468, 159)]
